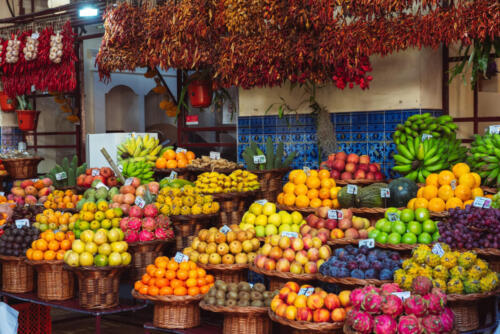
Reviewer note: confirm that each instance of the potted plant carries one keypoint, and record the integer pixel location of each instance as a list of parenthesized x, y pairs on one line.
[(7, 104), (26, 117)]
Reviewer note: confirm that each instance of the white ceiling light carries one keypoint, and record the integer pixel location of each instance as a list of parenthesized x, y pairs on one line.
[(88, 12)]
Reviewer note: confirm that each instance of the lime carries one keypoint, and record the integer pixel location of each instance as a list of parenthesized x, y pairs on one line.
[(422, 214), (398, 227), (373, 234), (409, 238), (414, 227), (394, 238), (425, 238), (429, 226), (407, 215), (100, 260), (381, 238), (435, 236)]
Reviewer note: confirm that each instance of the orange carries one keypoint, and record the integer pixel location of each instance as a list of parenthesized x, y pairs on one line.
[(421, 203), (334, 192), (432, 180), (315, 203), (463, 192), (146, 278), (152, 281), (326, 183), (460, 169), (420, 192), (60, 236), (411, 203), (289, 188), (193, 273), (138, 285), (184, 266), (41, 244), (161, 163), (490, 196), (144, 290), (430, 192), (324, 174), (166, 290), (161, 282), (454, 203), (182, 163), (29, 253), (190, 155), (204, 289), (436, 204), (151, 269), (175, 283), (180, 291), (172, 164), (313, 182), (336, 203), (445, 192), (468, 180), (313, 193), (169, 154), (324, 193), (172, 265), (313, 172), (65, 244), (292, 174), (300, 189), (49, 255), (300, 177), (302, 201), (37, 255), (193, 291), (289, 199), (477, 192), (201, 281), (182, 274), (477, 179), (191, 282), (161, 262), (70, 236), (469, 202), (445, 177), (54, 245), (159, 272), (327, 202), (153, 290), (281, 198), (180, 156), (201, 272), (49, 235), (210, 279), (170, 274), (60, 254)]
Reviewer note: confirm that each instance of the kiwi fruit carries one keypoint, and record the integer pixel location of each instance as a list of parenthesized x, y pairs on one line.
[(232, 295), (210, 300), (243, 302), (259, 287), (231, 302), (268, 301), (220, 294), (220, 302), (244, 295), (257, 303), (212, 291), (232, 287), (255, 295), (276, 292), (267, 294), (223, 287), (244, 286), (218, 283)]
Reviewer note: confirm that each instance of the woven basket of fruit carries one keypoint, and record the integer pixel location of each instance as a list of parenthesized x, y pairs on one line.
[(294, 208), (227, 272), (17, 276), (351, 281), (23, 168), (277, 278), (357, 181), (98, 287), (270, 183), (187, 226), (54, 282), (144, 253), (182, 173), (174, 311), (307, 326), (342, 242)]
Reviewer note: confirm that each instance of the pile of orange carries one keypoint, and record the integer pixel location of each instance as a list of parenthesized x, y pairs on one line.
[(167, 277), (312, 189), (60, 199), (3, 199), (448, 189), (50, 246), (170, 159)]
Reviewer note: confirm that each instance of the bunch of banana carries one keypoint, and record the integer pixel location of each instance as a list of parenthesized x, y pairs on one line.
[(485, 158), (139, 148), (417, 125), (139, 169), (416, 159)]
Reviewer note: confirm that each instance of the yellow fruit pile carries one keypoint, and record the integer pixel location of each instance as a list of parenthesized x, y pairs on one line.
[(60, 199), (237, 181), (448, 189), (186, 201), (314, 189)]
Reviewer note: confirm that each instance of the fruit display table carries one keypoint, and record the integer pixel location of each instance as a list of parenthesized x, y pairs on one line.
[(72, 305)]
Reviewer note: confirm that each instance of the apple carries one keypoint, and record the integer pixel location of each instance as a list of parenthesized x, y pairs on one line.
[(358, 223), (289, 254), (284, 242), (313, 254), (323, 235), (364, 159), (331, 157), (270, 264), (283, 265), (341, 156), (373, 167), (293, 286), (304, 314), (347, 213), (290, 298), (266, 249), (351, 233), (363, 167), (297, 244), (291, 312), (307, 241), (274, 240), (311, 268), (379, 176), (276, 253), (346, 176), (320, 224), (281, 310), (312, 220), (301, 257), (296, 268), (324, 252), (335, 174), (332, 301), (314, 232), (359, 174), (370, 176), (275, 303), (284, 291), (305, 229), (337, 233), (339, 165), (260, 261), (350, 167), (331, 224), (315, 301), (353, 157), (363, 234), (321, 315)]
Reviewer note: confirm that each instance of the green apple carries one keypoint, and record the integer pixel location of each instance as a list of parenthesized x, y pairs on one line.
[(373, 234), (100, 260), (44, 227), (284, 228), (260, 231), (52, 226), (86, 259), (274, 219), (295, 228), (399, 227), (386, 226), (429, 226), (394, 238), (256, 209), (422, 214), (297, 217), (407, 215), (380, 223), (435, 236), (409, 238), (286, 218), (381, 238), (425, 238), (414, 227), (115, 259), (269, 209), (84, 225), (261, 220), (271, 229)]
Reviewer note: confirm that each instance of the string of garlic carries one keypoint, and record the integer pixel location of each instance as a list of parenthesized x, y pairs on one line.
[(56, 48), (30, 50), (12, 55)]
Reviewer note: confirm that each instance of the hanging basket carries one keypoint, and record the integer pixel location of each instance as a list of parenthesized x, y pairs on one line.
[(27, 119), (6, 103), (200, 93)]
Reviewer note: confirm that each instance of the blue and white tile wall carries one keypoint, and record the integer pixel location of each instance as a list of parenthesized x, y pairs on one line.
[(10, 137), (357, 132)]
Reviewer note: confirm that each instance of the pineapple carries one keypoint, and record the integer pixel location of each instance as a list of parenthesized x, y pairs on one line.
[(439, 283), (455, 286), (467, 259), (432, 260), (458, 272), (449, 260), (472, 286), (475, 272), (440, 272)]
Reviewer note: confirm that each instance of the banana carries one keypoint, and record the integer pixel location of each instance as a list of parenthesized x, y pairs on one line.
[(404, 152), (402, 168), (401, 159)]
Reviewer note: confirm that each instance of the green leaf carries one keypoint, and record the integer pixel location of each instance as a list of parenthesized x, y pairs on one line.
[(280, 111)]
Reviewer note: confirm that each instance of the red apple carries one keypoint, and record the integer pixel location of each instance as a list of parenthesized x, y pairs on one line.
[(346, 176), (324, 235), (297, 244), (308, 243), (341, 156), (266, 249), (296, 268), (80, 180), (339, 165), (377, 165), (350, 167), (293, 286), (304, 314), (88, 181), (305, 230), (270, 264), (276, 253), (379, 176), (315, 301), (260, 261), (353, 157), (359, 174), (311, 267), (106, 172), (301, 257), (335, 174), (111, 181), (331, 224), (312, 220), (332, 301), (370, 176), (345, 223), (364, 159), (347, 213), (373, 168), (283, 265), (313, 254), (331, 157), (325, 252), (289, 254), (281, 310), (363, 167), (320, 224)]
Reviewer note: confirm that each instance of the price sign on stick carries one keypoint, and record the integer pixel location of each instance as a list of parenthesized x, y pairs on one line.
[(385, 193), (224, 229), (259, 159), (214, 155), (335, 214)]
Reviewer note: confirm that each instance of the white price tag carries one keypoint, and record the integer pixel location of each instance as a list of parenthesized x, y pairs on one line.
[(128, 181), (369, 243), (120, 168), (494, 129), (34, 180), (352, 189), (224, 229), (393, 216), (482, 202), (95, 172), (180, 150), (438, 250), (335, 214), (101, 185), (385, 193), (261, 201), (2, 193), (426, 136), (453, 184), (214, 155), (402, 295), (307, 170), (306, 291), (289, 234), (173, 175), (179, 257), (22, 222), (140, 202), (61, 176), (259, 159), (251, 285)]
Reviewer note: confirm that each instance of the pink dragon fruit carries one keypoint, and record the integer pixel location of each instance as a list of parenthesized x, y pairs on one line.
[(146, 235), (408, 324), (371, 289), (432, 324), (134, 223), (131, 236), (135, 211), (388, 288), (150, 210), (385, 324), (124, 223), (371, 303), (149, 224), (447, 318), (356, 297), (441, 294), (163, 221), (160, 233), (434, 303), (392, 306), (362, 322), (421, 285), (416, 305)]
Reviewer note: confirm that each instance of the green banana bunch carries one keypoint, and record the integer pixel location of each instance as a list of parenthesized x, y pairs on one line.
[(418, 124), (484, 158), (140, 169), (139, 148)]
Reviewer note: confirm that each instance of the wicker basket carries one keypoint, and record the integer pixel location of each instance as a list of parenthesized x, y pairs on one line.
[(491, 255), (242, 320), (182, 173), (174, 311), (307, 326), (54, 281), (17, 276), (351, 281), (270, 183), (362, 182), (229, 273), (277, 278), (186, 228), (143, 254), (98, 287), (25, 168), (294, 208), (232, 206)]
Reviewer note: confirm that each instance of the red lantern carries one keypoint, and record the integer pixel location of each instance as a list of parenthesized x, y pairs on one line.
[(200, 93)]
